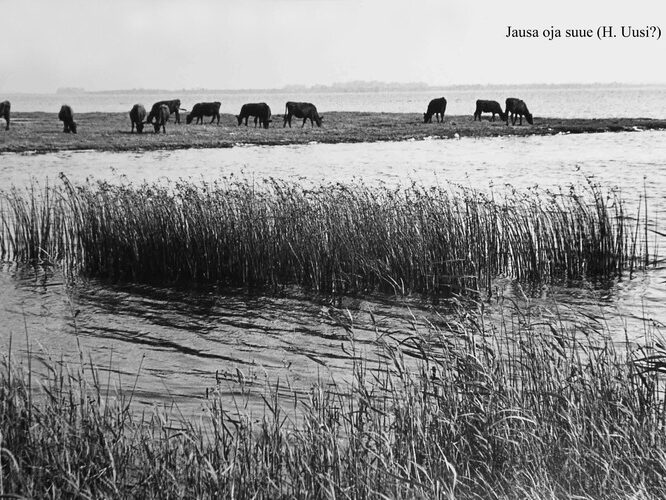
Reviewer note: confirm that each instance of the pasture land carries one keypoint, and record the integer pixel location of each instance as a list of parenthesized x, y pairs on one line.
[(42, 132)]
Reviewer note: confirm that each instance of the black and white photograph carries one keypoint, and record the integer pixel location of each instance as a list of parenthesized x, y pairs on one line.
[(332, 249)]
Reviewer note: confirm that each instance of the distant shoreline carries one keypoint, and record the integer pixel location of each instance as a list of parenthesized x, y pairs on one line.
[(360, 87), (41, 132)]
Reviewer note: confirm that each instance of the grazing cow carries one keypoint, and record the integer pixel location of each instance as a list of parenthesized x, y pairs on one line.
[(303, 110), (137, 117), (488, 107), (516, 107), (173, 105), (67, 117), (202, 109), (436, 107), (260, 110), (161, 117), (5, 106)]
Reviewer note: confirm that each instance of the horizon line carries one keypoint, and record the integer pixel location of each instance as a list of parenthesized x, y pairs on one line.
[(351, 86)]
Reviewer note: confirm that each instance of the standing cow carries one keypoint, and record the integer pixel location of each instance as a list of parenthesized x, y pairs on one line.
[(5, 106), (516, 108), (173, 106), (303, 110), (161, 117), (137, 116), (436, 107), (66, 116), (202, 109), (259, 110), (488, 107)]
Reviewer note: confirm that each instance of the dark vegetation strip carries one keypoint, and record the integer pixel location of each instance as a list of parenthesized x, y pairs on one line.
[(525, 409), (332, 238), (42, 132)]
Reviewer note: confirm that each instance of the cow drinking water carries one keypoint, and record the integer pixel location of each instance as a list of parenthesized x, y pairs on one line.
[(303, 110), (66, 116), (516, 108), (173, 106), (5, 106), (202, 109), (259, 110), (488, 107), (137, 116), (436, 107)]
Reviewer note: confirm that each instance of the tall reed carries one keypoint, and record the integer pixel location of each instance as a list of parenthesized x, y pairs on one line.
[(528, 407), (332, 238)]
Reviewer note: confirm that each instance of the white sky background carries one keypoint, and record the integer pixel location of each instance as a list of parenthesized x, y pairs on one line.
[(222, 44)]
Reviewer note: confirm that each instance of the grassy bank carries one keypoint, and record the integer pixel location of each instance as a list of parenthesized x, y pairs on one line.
[(42, 132), (527, 408), (332, 239)]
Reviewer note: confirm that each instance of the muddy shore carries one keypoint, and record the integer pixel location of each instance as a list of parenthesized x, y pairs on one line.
[(42, 132)]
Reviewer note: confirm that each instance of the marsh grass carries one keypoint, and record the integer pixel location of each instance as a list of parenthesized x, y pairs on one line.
[(529, 407), (334, 238)]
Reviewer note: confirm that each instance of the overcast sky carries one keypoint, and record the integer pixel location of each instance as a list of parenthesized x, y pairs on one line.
[(221, 44)]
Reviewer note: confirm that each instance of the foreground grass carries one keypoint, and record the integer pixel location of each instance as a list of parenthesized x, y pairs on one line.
[(42, 132), (527, 408), (331, 239)]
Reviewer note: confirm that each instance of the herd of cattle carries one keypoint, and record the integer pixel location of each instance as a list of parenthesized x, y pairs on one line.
[(161, 111)]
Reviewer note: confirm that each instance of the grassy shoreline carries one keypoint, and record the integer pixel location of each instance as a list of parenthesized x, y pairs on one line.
[(42, 132)]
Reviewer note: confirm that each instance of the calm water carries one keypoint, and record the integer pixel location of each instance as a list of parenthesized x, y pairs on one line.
[(564, 102), (186, 341)]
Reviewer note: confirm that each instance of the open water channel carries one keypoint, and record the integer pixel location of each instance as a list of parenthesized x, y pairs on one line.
[(183, 342)]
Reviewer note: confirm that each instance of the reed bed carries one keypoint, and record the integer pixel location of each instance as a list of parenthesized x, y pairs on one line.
[(531, 407), (330, 238)]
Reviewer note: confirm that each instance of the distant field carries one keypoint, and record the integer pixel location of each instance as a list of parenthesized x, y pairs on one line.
[(42, 132)]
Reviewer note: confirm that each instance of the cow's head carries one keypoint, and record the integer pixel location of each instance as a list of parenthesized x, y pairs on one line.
[(266, 123), (427, 118), (529, 118), (72, 127), (139, 127), (318, 120), (188, 118), (239, 118)]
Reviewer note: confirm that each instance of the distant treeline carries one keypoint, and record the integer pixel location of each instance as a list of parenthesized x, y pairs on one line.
[(359, 86)]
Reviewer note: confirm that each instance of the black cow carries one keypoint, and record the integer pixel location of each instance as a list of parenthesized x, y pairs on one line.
[(137, 117), (66, 116), (202, 109), (161, 117), (488, 107), (436, 107), (5, 106), (516, 107), (259, 110), (173, 105), (303, 110)]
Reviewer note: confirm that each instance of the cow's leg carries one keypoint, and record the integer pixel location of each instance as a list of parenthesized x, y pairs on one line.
[(255, 121), (177, 117), (7, 120)]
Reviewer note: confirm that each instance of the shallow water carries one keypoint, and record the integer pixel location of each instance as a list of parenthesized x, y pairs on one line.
[(185, 342)]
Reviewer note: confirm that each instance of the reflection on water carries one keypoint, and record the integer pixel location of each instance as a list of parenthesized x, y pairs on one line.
[(182, 343)]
